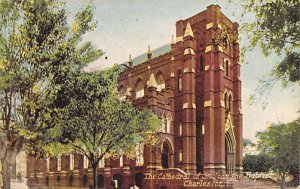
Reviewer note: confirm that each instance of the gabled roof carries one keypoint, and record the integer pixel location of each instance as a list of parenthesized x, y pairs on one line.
[(155, 53)]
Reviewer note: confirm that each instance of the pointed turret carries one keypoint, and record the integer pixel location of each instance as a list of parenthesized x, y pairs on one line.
[(188, 30), (149, 53), (130, 62)]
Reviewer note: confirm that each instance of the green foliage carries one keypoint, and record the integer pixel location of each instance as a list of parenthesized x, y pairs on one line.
[(281, 143), (247, 142), (257, 163), (275, 29), (38, 51), (95, 122)]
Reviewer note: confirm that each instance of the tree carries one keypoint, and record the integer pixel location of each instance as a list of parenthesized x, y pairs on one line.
[(97, 124), (275, 29), (281, 143), (38, 50), (257, 163)]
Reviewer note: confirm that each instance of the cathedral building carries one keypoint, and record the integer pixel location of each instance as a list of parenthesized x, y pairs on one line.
[(194, 87)]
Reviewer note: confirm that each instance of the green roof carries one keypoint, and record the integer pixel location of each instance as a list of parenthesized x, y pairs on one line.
[(155, 53)]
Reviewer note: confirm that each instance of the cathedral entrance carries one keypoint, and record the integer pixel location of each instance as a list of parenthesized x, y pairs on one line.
[(166, 154), (230, 146)]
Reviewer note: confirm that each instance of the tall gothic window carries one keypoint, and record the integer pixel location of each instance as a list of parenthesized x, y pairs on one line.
[(229, 103), (85, 162), (165, 156), (180, 128), (227, 68), (179, 82), (139, 154), (48, 164), (139, 91), (180, 155), (169, 120), (160, 82), (225, 101), (59, 163), (72, 162), (201, 63)]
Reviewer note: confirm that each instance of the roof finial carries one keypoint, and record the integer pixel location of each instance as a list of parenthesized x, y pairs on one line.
[(149, 53), (188, 30), (130, 60)]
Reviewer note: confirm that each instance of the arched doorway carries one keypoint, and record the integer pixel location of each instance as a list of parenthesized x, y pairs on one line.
[(230, 148), (119, 179), (100, 181), (71, 179), (47, 181), (84, 181), (138, 178), (166, 154)]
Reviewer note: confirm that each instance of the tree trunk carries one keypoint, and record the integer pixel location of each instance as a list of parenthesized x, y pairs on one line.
[(94, 166), (6, 177), (282, 184)]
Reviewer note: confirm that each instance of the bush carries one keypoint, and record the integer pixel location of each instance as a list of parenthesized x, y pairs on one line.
[(257, 163)]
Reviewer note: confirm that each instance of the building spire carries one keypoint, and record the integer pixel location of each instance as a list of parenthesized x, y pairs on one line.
[(188, 30), (149, 53), (130, 62)]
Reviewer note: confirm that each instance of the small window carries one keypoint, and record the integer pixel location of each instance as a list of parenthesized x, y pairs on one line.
[(59, 163), (180, 128), (201, 63), (139, 89), (160, 82), (139, 154), (229, 103), (225, 101), (72, 162), (227, 68), (180, 155), (179, 82)]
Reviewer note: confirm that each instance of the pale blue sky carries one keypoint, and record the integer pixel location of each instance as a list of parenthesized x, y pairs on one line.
[(129, 26)]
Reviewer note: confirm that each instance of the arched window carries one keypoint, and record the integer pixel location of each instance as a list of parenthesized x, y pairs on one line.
[(84, 180), (180, 128), (229, 103), (58, 179), (102, 163), (179, 82), (59, 163), (72, 162), (160, 80), (71, 179), (165, 156), (201, 63), (122, 92), (100, 181), (139, 90), (47, 181), (180, 155), (227, 68), (168, 125), (138, 178), (139, 154), (225, 101), (118, 177)]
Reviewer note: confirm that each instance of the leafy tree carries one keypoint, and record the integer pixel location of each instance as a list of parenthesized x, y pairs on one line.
[(257, 163), (281, 142), (96, 124), (275, 29), (38, 51), (247, 142)]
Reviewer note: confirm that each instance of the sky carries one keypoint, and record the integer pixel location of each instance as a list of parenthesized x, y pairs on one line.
[(130, 26)]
